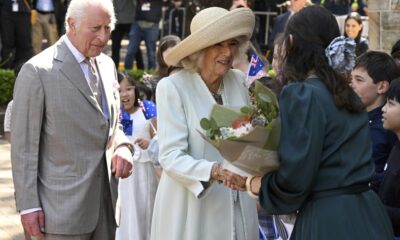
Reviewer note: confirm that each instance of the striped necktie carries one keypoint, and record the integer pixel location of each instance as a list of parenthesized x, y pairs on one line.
[(94, 79)]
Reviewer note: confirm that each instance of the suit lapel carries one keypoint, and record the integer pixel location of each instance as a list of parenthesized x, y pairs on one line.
[(73, 72)]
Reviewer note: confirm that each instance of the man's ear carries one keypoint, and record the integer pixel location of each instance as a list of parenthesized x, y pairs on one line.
[(383, 87), (71, 24)]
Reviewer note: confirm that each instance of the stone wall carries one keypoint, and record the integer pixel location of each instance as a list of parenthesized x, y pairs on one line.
[(384, 24)]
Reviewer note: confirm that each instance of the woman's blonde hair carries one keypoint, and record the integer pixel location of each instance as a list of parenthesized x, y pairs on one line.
[(194, 62)]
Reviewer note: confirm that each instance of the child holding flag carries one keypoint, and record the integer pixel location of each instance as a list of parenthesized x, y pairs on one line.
[(138, 191)]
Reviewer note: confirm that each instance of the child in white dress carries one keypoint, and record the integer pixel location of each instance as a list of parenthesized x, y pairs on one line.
[(137, 192)]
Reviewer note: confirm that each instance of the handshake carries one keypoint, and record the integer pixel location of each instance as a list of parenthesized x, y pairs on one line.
[(235, 181)]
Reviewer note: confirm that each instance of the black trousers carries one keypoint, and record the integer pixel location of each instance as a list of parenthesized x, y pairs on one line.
[(16, 39), (116, 37)]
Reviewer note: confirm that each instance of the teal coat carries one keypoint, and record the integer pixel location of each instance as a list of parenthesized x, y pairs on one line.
[(324, 151)]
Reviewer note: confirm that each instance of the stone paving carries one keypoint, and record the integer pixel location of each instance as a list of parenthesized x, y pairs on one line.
[(10, 224)]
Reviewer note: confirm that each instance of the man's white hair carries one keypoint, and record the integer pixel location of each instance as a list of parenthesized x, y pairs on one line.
[(78, 8)]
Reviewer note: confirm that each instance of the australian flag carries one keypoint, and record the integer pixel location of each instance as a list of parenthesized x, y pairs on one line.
[(148, 108), (255, 70)]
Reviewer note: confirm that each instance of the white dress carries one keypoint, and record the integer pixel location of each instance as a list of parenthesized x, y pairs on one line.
[(138, 191), (7, 117)]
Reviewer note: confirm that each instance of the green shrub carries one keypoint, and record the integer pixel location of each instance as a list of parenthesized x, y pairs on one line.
[(7, 80), (137, 74)]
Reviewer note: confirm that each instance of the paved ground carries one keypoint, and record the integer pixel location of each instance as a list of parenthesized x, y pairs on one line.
[(10, 225)]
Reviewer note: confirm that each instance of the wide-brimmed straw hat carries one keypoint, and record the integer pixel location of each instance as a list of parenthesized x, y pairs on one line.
[(210, 26)]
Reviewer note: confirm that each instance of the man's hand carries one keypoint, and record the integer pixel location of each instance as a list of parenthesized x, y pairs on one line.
[(121, 162), (33, 223)]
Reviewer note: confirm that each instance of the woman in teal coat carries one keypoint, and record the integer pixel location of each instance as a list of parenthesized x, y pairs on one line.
[(325, 148)]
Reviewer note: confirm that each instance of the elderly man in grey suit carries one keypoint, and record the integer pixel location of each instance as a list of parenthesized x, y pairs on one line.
[(68, 148)]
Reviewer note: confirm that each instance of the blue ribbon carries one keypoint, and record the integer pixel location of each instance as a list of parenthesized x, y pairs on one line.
[(126, 122)]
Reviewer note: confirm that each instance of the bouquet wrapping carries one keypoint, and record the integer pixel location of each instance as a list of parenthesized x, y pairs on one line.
[(247, 137)]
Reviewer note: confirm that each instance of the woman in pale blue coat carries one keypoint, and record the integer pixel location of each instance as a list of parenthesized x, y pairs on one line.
[(190, 203)]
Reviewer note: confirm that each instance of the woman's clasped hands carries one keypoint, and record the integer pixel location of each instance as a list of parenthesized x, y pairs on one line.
[(236, 182), (228, 178)]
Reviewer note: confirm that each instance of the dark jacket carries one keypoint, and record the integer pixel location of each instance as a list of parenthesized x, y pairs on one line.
[(389, 191), (325, 155), (382, 143), (153, 14), (361, 46), (279, 26), (24, 6)]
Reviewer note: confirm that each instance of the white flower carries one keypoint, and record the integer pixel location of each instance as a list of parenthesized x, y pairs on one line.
[(226, 132), (242, 130)]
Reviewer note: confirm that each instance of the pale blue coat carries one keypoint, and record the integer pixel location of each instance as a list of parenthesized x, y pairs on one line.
[(184, 209)]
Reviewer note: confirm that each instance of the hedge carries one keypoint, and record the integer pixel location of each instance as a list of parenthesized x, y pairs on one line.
[(138, 73), (7, 80)]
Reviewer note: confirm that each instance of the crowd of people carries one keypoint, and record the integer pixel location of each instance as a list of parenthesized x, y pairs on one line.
[(93, 157), (29, 26)]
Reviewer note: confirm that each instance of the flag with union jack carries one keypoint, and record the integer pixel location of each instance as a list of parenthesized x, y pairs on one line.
[(255, 70), (148, 108)]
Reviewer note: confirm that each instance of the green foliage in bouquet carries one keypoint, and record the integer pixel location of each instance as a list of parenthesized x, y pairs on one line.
[(247, 138), (221, 117), (262, 115), (264, 104)]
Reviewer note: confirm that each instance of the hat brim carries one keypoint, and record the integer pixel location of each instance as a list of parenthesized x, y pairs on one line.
[(235, 23)]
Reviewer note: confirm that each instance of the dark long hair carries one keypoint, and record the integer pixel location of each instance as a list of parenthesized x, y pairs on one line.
[(306, 36), (356, 17), (361, 44), (132, 82), (165, 43)]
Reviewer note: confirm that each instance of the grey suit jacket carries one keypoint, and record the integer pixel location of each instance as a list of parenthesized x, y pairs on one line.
[(60, 138)]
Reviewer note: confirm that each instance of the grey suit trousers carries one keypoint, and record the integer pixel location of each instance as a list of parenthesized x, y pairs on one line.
[(106, 226)]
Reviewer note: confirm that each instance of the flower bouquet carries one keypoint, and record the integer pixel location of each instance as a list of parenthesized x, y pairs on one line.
[(247, 138)]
